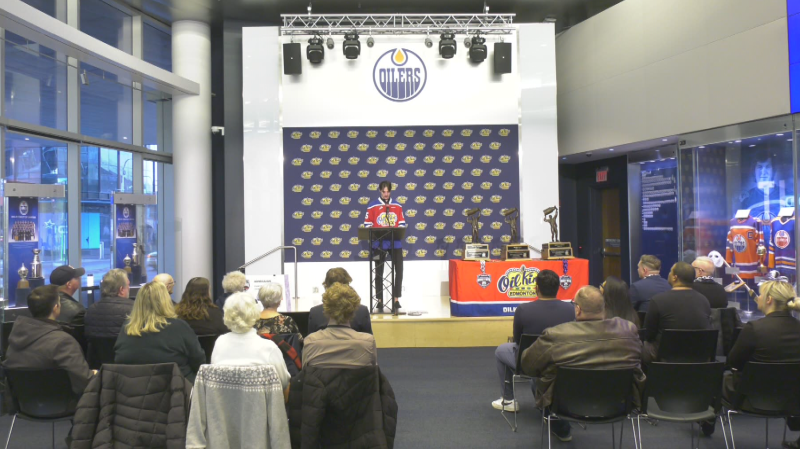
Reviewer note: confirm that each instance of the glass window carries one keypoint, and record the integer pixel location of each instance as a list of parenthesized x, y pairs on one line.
[(106, 106), (157, 47), (157, 120), (35, 83), (103, 172), (107, 24), (49, 7), (150, 233)]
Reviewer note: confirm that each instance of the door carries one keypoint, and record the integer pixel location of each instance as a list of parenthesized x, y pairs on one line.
[(610, 232)]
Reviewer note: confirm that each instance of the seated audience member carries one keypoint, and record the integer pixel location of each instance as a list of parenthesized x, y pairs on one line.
[(338, 345), (68, 280), (105, 318), (270, 321), (316, 316), (233, 282), (705, 284), (197, 309), (242, 346), (530, 318), (650, 284), (167, 280), (617, 302), (38, 342), (591, 342), (679, 308), (154, 334)]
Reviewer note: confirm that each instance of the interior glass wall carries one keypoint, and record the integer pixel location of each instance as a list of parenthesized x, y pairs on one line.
[(107, 24), (106, 106), (150, 232)]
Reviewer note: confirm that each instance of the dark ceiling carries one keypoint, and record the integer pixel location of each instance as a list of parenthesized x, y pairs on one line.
[(566, 12)]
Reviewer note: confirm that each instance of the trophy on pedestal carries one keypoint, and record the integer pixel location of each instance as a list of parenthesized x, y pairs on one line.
[(514, 250), (761, 251), (555, 249), (23, 275), (475, 250), (127, 261), (137, 255), (36, 265)]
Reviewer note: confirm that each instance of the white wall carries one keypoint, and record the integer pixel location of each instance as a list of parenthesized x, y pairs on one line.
[(645, 69)]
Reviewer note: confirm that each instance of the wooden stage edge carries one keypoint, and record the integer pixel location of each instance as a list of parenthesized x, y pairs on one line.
[(443, 332)]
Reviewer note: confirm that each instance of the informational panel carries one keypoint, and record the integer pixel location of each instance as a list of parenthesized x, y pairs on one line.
[(125, 233), (438, 173), (660, 211), (259, 280), (23, 238)]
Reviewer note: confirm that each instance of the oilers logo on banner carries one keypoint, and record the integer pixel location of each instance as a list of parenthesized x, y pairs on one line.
[(739, 244), (484, 279), (399, 75), (23, 207), (519, 282)]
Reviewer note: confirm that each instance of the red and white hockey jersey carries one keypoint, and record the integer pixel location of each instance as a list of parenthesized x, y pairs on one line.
[(385, 215), (782, 255), (743, 240)]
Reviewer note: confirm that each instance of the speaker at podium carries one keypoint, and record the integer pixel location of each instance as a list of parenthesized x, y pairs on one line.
[(382, 243)]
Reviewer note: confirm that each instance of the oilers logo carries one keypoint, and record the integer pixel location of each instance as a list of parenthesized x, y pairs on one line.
[(466, 132), (411, 159), (496, 198), (333, 134), (439, 199), (334, 160), (325, 174), (316, 161), (298, 214), (400, 173), (466, 159), (739, 244), (382, 173), (354, 240), (505, 185), (364, 200), (439, 225), (363, 173), (409, 133), (316, 214), (305, 148), (298, 241), (399, 75), (420, 173), (314, 134), (448, 159), (326, 201), (420, 199), (476, 145), (307, 201), (345, 227), (307, 174), (449, 238), (402, 199), (411, 213), (363, 253), (496, 225), (355, 213), (372, 186), (307, 254), (449, 185), (325, 148), (372, 134), (296, 135), (381, 146), (486, 132), (447, 132), (335, 187), (390, 133), (420, 226), (372, 160), (353, 160), (411, 185), (504, 132), (354, 188), (400, 147), (782, 239), (316, 241), (352, 134), (457, 146), (494, 145), (429, 159), (419, 146), (421, 252), (316, 188), (297, 188), (344, 147), (430, 212), (344, 174), (363, 147), (438, 146), (505, 158), (449, 212)]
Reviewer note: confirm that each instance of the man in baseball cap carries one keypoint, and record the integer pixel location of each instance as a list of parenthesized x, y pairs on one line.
[(68, 280)]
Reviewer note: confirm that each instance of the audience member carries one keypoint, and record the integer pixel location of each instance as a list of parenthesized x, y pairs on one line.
[(705, 284), (197, 309), (591, 342), (270, 321), (68, 280), (105, 318), (316, 317), (233, 282), (38, 342), (650, 284), (530, 318), (242, 346), (154, 334), (679, 308), (617, 301), (167, 280), (338, 345)]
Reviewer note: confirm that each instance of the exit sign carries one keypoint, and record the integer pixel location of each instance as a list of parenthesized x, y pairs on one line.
[(601, 175)]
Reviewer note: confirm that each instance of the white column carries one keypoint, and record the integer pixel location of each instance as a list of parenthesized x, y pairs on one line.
[(191, 121)]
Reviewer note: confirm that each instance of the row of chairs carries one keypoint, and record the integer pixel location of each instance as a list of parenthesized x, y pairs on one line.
[(101, 350)]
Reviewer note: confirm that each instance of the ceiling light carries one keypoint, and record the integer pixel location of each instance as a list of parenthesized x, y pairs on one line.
[(738, 141), (447, 45), (702, 146), (428, 42), (477, 51), (779, 134), (315, 52), (751, 146), (563, 158), (663, 140), (352, 46), (370, 42), (610, 149), (467, 42), (84, 78), (329, 43)]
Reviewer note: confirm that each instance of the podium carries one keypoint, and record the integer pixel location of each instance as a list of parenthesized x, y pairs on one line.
[(376, 238)]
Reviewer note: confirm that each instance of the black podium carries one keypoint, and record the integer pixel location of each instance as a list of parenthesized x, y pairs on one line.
[(376, 238)]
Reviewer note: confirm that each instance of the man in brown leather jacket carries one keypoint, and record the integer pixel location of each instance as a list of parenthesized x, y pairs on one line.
[(590, 342)]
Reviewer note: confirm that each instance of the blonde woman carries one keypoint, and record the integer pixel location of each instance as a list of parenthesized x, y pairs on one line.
[(338, 345), (242, 346), (154, 334)]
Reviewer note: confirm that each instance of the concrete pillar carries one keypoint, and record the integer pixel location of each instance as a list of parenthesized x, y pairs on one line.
[(191, 121)]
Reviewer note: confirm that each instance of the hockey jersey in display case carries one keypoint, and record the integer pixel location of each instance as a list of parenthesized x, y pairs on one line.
[(744, 237), (782, 256)]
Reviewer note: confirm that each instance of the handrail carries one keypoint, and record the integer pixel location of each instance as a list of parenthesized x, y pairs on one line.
[(250, 262)]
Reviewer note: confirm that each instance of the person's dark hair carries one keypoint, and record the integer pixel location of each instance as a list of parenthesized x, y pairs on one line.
[(547, 281), (196, 300), (384, 185), (763, 155), (335, 275), (42, 300), (684, 272), (618, 303)]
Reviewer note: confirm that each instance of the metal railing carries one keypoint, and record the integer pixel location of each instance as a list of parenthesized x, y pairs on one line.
[(328, 24), (277, 248)]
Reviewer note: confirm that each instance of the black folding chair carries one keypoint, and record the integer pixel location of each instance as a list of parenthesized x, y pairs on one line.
[(682, 392), (525, 342), (688, 346), (592, 396), (41, 396), (642, 334), (768, 390), (641, 317), (100, 351), (207, 343)]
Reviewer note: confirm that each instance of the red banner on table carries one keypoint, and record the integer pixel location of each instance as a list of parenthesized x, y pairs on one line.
[(496, 288)]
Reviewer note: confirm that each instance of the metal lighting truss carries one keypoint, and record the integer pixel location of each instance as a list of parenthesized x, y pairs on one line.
[(372, 24)]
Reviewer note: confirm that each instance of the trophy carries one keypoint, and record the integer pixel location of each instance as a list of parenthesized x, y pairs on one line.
[(514, 250), (475, 250), (23, 281), (761, 251), (127, 261), (36, 265), (136, 255), (555, 249)]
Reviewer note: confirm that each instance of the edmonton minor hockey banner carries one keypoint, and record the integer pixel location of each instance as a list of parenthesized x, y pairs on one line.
[(437, 172), (23, 238), (126, 233)]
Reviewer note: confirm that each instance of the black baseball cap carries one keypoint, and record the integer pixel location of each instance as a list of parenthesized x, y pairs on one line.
[(64, 274)]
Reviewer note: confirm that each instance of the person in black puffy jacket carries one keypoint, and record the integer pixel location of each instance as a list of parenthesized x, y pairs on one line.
[(105, 318)]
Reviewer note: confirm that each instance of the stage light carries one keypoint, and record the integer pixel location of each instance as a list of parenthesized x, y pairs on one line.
[(467, 42), (370, 42), (352, 46), (477, 51), (447, 45), (315, 52), (428, 42), (329, 42)]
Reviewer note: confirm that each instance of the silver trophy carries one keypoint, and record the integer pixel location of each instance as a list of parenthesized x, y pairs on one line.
[(36, 265), (23, 274), (127, 261), (136, 255)]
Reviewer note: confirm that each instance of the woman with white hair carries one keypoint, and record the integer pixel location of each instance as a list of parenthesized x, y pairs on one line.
[(270, 321), (242, 346), (233, 282)]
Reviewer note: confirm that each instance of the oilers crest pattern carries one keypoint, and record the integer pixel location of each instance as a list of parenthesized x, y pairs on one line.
[(432, 179), (739, 244)]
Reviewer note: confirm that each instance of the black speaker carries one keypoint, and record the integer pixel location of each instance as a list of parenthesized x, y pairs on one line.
[(502, 57), (292, 59)]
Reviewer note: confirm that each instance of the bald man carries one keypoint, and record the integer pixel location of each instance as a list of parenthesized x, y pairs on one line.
[(705, 284), (167, 280)]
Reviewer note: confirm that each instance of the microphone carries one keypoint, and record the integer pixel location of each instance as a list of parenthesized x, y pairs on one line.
[(386, 213)]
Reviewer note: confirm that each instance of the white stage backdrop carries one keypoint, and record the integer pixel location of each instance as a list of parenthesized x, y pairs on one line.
[(397, 83)]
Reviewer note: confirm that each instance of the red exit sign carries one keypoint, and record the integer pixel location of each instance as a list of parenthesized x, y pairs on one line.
[(601, 175)]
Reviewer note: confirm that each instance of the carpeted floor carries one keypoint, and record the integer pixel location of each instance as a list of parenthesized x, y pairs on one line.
[(445, 399)]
